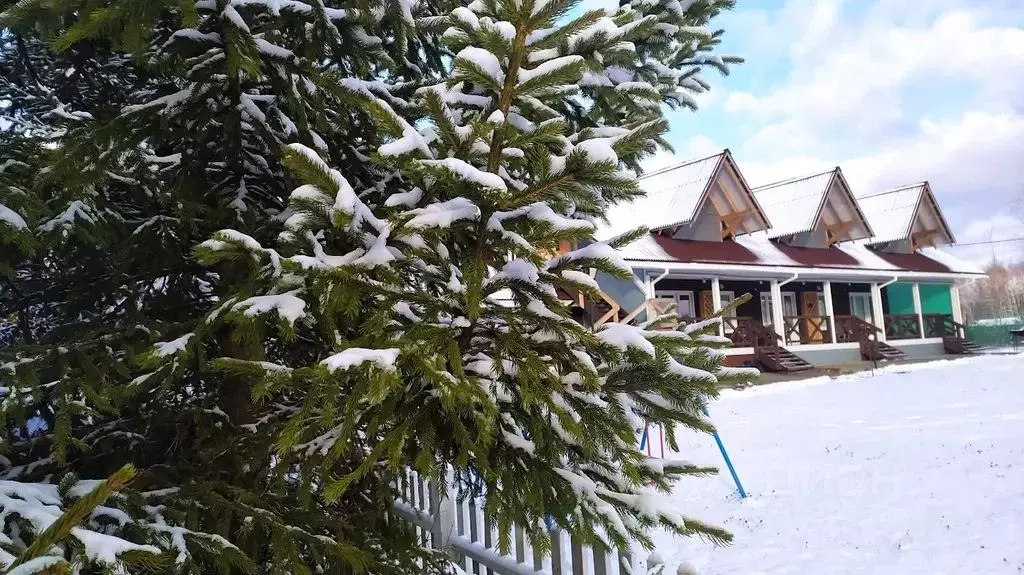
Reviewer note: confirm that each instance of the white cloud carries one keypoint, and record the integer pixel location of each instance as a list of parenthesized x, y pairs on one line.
[(869, 81), (893, 96), (986, 239), (739, 102)]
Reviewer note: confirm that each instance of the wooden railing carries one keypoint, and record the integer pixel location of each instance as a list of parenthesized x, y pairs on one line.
[(902, 326), (852, 329), (749, 332), (942, 325), (807, 329)]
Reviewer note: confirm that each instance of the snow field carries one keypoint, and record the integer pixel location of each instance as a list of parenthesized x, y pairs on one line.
[(915, 469)]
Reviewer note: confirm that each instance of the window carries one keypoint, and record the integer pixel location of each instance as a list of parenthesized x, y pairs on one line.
[(685, 306), (766, 308), (860, 306), (726, 298), (789, 307)]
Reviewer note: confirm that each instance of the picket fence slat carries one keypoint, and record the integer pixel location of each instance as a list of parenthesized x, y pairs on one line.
[(464, 531)]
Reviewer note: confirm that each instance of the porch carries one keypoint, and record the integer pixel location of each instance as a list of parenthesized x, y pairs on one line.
[(798, 312), (811, 312)]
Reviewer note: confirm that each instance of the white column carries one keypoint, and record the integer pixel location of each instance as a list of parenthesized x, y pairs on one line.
[(716, 301), (954, 295), (876, 310), (915, 290), (830, 310), (777, 321)]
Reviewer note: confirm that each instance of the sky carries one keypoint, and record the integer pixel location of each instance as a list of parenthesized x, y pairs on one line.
[(892, 91)]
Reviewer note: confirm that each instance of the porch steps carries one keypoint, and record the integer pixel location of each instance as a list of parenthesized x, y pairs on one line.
[(960, 346), (780, 359), (880, 351)]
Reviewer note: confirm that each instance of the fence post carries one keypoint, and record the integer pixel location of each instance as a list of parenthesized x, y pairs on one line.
[(442, 510)]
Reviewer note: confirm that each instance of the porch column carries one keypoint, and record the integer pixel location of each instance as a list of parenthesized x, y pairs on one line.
[(876, 310), (954, 295), (716, 301), (915, 291), (830, 309), (777, 322)]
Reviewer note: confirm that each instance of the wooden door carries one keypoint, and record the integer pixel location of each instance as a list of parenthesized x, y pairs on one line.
[(812, 317)]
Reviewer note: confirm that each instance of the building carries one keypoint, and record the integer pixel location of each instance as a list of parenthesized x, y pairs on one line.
[(828, 275)]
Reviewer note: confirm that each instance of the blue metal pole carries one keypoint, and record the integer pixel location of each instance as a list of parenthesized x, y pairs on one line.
[(728, 462), (643, 440)]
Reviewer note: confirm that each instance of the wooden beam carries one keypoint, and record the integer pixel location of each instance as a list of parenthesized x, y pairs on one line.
[(715, 204), (731, 223)]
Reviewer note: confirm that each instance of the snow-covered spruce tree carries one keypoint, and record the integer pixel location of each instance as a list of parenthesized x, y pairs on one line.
[(251, 452), (376, 330), (104, 217)]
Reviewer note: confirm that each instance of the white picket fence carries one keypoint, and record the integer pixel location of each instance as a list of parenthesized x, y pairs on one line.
[(469, 537)]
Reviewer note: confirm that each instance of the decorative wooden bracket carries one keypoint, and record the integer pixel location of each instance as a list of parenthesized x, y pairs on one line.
[(924, 238), (835, 232)]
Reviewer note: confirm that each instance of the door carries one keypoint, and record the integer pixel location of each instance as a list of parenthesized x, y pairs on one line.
[(860, 306), (812, 307)]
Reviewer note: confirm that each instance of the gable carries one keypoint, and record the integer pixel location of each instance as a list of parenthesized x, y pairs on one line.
[(929, 228), (734, 203), (906, 219), (678, 195), (840, 215), (813, 211)]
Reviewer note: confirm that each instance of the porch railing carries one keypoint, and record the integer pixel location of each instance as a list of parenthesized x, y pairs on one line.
[(807, 329), (748, 332), (469, 536), (902, 326), (852, 329), (941, 325)]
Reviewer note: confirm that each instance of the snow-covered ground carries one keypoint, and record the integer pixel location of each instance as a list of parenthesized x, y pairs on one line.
[(917, 469)]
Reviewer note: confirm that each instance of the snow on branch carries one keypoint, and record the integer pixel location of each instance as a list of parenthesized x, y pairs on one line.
[(596, 251), (355, 356), (443, 214), (467, 172), (287, 305)]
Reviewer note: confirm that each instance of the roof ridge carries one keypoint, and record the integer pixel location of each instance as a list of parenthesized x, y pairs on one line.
[(920, 184), (679, 165), (791, 180)]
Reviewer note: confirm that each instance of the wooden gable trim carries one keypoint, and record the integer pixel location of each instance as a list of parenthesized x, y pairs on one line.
[(923, 239), (853, 202), (836, 231), (925, 196), (938, 212), (745, 189), (733, 221), (822, 202)]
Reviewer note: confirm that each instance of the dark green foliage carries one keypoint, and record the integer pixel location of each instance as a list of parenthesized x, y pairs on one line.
[(182, 306)]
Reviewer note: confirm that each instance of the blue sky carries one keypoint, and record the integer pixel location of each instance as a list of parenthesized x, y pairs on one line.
[(893, 91)]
